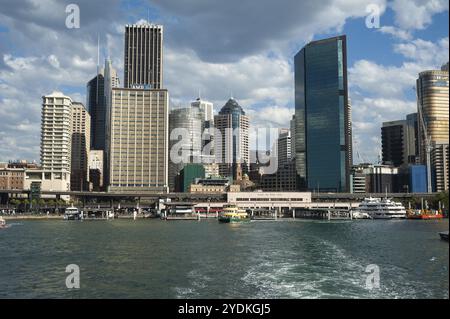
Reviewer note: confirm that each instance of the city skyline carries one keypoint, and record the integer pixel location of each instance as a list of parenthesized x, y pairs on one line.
[(392, 55)]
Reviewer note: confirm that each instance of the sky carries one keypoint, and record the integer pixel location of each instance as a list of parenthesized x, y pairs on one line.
[(239, 47)]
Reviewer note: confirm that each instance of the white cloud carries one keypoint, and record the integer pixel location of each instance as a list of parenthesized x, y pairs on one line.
[(417, 14), (396, 32)]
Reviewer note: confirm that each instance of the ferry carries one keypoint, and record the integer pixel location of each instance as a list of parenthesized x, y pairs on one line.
[(3, 223), (72, 213), (385, 208), (233, 214)]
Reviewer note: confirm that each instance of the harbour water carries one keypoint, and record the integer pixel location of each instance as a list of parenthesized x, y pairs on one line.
[(282, 259)]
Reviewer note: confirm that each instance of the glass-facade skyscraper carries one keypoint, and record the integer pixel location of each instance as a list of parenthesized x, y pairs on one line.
[(323, 133)]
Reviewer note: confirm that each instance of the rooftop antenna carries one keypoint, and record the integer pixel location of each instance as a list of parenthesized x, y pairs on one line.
[(231, 94), (98, 53)]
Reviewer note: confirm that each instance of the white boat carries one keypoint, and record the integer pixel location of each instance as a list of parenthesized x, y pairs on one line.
[(72, 213), (360, 215), (385, 208)]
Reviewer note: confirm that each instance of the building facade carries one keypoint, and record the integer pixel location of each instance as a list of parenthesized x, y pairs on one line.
[(232, 140), (138, 145), (143, 60), (284, 151), (440, 165), (95, 167), (56, 136), (322, 112), (432, 94), (185, 139)]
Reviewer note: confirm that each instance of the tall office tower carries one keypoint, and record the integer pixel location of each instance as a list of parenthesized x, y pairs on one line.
[(56, 133), (411, 141), (81, 135), (98, 103), (292, 126), (432, 94), (143, 56), (138, 144), (322, 133), (440, 166), (185, 140), (284, 147), (393, 141), (231, 146), (95, 101), (206, 107)]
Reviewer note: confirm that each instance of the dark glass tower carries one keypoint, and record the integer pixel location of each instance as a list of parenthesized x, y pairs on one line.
[(323, 134), (96, 106)]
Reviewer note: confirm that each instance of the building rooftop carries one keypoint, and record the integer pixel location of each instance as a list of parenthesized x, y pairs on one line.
[(231, 106)]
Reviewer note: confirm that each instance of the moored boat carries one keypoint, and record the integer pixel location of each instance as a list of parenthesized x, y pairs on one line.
[(232, 214), (72, 213), (444, 235), (384, 208)]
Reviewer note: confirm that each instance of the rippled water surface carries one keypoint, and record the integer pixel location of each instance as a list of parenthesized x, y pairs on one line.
[(284, 259)]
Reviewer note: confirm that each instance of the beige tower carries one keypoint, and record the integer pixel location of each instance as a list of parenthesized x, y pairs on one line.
[(81, 136), (138, 144), (432, 92), (56, 139)]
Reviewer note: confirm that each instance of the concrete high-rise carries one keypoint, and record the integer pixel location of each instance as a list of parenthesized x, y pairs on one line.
[(232, 144), (81, 134), (56, 132), (440, 166), (143, 60), (206, 107), (322, 112), (284, 148), (56, 141), (138, 143)]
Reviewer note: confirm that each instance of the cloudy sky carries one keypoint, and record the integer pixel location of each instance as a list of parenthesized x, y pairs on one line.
[(241, 46)]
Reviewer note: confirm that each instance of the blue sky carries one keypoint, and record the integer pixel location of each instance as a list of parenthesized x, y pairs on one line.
[(243, 46)]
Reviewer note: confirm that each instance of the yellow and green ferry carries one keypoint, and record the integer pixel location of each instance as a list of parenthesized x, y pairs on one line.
[(233, 214)]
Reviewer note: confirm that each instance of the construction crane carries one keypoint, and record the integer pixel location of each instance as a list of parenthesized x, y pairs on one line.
[(427, 141)]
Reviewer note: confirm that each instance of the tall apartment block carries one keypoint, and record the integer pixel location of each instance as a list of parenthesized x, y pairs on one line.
[(143, 62), (81, 135), (232, 146), (440, 166), (56, 138), (323, 134), (138, 144), (284, 147)]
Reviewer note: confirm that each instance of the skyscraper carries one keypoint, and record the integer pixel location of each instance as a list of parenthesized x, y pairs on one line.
[(184, 149), (393, 141), (138, 143), (207, 108), (143, 63), (231, 146), (56, 132), (81, 127), (432, 93), (284, 147), (98, 96), (322, 113)]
